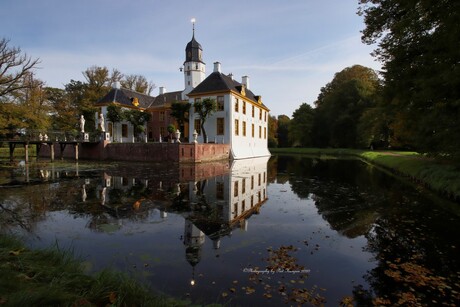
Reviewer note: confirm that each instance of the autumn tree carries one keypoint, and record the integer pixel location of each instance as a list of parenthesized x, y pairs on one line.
[(272, 138), (14, 67), (204, 109), (20, 92), (417, 43), (138, 83)]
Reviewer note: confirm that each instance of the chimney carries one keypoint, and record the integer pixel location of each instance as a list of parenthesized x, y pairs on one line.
[(162, 90), (116, 85), (245, 81), (216, 67)]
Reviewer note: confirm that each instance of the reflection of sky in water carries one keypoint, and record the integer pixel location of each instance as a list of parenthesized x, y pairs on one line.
[(153, 247)]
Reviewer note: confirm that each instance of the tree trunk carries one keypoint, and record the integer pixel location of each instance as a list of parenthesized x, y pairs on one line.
[(205, 137)]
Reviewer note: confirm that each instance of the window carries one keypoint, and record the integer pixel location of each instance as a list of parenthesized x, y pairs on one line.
[(237, 127), (220, 103), (260, 114), (188, 74), (237, 105), (220, 126), (162, 131), (259, 178), (235, 189), (243, 206), (253, 110), (197, 125), (244, 128), (260, 132), (252, 130), (243, 188), (196, 66), (220, 190), (252, 182), (235, 210), (252, 201), (265, 114), (124, 130), (244, 107), (197, 100), (265, 133), (162, 116)]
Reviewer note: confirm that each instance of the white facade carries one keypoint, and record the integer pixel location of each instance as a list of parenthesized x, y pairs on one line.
[(239, 120), (120, 132), (194, 74)]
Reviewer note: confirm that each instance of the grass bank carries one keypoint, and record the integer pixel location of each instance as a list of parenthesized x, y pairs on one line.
[(54, 278), (441, 176), (19, 152)]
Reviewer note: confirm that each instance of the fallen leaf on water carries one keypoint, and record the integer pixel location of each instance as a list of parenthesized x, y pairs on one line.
[(16, 252), (224, 294), (250, 290)]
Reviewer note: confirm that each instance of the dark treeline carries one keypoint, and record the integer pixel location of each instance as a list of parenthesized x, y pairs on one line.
[(414, 102)]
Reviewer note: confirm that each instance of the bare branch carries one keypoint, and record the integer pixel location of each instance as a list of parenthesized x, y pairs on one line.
[(13, 67)]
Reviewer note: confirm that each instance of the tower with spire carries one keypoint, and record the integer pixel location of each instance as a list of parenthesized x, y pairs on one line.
[(194, 67)]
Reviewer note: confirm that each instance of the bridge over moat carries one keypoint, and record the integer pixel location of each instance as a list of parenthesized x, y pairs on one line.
[(26, 144)]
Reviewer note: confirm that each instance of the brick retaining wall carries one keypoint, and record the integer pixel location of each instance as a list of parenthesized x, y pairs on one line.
[(144, 152)]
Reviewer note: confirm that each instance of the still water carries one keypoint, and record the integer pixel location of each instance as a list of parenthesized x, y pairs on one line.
[(295, 230)]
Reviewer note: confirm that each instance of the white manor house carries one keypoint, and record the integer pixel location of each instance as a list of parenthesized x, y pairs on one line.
[(239, 121)]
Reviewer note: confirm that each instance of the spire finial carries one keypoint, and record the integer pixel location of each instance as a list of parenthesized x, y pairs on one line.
[(193, 20)]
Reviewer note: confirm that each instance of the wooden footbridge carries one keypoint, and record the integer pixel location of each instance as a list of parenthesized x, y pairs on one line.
[(39, 144), (40, 141)]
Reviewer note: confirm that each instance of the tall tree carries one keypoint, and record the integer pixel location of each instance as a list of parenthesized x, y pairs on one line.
[(419, 47), (204, 109), (25, 109), (283, 131), (341, 104), (301, 125), (272, 131), (138, 83), (14, 67)]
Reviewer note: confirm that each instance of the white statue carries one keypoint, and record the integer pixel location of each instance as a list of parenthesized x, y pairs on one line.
[(101, 122), (82, 123)]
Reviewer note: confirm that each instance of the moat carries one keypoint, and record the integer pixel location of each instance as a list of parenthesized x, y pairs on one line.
[(253, 232)]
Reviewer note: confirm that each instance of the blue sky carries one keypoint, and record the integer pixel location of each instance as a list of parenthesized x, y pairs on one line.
[(289, 49)]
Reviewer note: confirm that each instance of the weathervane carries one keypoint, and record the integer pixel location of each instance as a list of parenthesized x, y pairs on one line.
[(193, 20)]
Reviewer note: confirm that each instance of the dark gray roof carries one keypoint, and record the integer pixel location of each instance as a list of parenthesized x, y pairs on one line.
[(126, 97), (218, 82), (193, 51), (166, 98)]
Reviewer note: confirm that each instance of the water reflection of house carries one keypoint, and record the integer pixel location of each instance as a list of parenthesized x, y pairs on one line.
[(222, 203)]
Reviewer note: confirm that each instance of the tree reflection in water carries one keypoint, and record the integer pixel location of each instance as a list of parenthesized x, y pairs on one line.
[(412, 237)]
